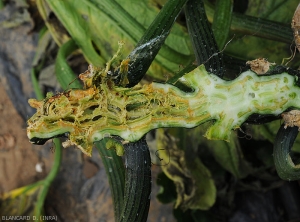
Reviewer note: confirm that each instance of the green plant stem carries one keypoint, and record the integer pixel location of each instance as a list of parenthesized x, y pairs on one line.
[(139, 109), (259, 27), (137, 183), (56, 164), (152, 41), (204, 44), (222, 21), (49, 179), (35, 83), (65, 75), (283, 143), (115, 172)]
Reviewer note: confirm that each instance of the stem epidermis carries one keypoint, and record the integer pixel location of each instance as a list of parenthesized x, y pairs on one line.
[(91, 114)]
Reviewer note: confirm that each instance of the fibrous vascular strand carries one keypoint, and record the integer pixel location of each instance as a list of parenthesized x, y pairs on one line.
[(90, 114)]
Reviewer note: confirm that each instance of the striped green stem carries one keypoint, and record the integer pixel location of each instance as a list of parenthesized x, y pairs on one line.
[(115, 172), (222, 21), (137, 182), (152, 41), (256, 26), (284, 164), (204, 44)]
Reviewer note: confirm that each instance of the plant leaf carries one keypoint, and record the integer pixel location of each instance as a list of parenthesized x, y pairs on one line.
[(228, 154), (251, 47), (21, 201), (97, 26), (194, 184), (276, 10)]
